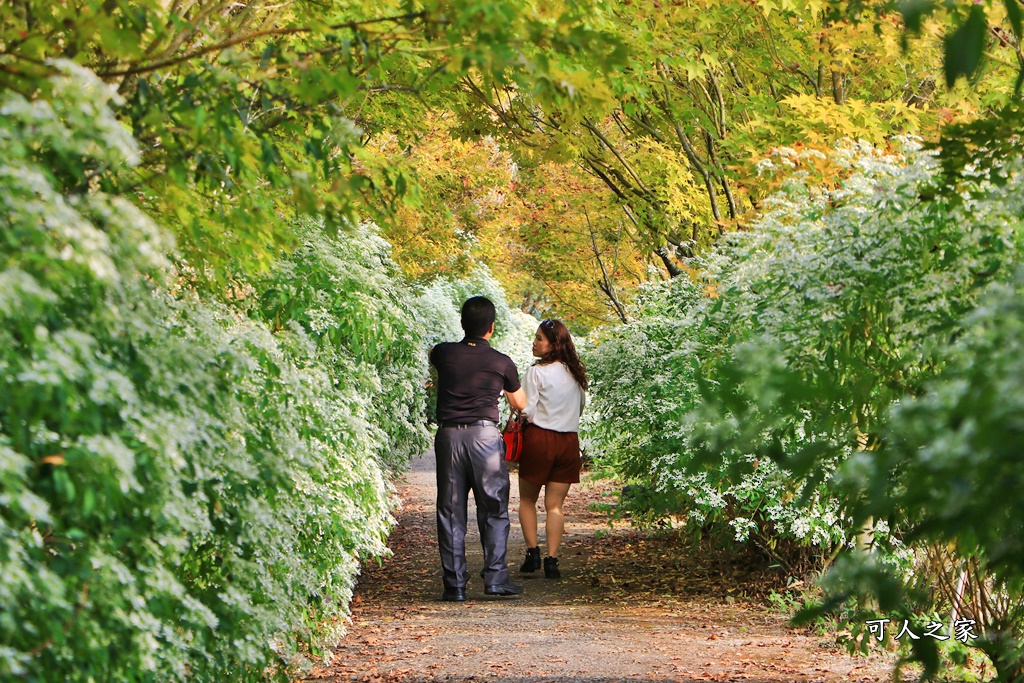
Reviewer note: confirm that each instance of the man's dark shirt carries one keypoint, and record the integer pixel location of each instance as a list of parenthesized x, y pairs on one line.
[(471, 376)]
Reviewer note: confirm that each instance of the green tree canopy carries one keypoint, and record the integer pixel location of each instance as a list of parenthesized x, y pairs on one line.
[(248, 115)]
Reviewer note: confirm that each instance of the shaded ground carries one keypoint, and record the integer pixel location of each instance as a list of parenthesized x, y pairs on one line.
[(628, 607)]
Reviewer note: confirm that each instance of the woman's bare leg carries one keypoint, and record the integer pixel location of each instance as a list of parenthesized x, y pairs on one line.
[(554, 495), (528, 495)]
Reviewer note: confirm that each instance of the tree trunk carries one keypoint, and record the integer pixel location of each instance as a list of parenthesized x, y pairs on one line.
[(666, 258)]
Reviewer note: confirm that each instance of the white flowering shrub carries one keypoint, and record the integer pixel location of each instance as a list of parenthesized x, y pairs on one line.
[(438, 310), (185, 493), (346, 294), (739, 392)]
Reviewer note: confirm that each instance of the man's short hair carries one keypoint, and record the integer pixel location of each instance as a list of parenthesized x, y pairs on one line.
[(478, 315)]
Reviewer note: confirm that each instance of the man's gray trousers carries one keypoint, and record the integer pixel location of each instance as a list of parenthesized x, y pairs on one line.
[(472, 458)]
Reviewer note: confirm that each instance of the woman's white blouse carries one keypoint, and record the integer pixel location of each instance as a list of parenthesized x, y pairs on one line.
[(553, 398)]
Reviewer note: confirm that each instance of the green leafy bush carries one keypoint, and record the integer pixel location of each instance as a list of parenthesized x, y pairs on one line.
[(954, 449), (951, 474), (185, 493), (738, 392)]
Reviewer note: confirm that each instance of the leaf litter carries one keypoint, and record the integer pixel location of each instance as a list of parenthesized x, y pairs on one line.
[(631, 605)]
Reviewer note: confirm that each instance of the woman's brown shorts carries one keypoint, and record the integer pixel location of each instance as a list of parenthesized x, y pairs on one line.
[(550, 456)]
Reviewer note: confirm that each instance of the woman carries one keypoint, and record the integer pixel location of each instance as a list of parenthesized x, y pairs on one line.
[(555, 387)]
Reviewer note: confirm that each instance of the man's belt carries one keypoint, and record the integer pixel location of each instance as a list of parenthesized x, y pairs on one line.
[(463, 425)]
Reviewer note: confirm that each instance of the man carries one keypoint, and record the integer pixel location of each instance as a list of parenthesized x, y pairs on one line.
[(470, 450)]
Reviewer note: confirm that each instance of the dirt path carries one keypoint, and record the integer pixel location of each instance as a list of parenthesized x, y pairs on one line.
[(628, 607)]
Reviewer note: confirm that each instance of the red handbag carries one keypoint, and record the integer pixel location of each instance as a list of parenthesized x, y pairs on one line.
[(513, 435)]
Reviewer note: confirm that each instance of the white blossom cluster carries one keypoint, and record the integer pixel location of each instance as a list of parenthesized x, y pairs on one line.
[(345, 293)]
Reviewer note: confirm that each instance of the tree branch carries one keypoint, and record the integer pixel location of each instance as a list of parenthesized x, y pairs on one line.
[(295, 30), (606, 285), (589, 125)]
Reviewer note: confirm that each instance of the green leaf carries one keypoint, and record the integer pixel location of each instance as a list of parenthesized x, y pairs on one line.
[(913, 12), (926, 652), (1014, 14), (965, 46), (267, 55), (88, 501)]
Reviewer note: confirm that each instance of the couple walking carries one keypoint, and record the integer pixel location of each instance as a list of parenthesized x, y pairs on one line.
[(470, 450)]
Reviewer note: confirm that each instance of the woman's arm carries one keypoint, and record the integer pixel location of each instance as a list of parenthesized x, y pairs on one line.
[(517, 399)]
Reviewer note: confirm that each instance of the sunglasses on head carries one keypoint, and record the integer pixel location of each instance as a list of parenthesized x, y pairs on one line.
[(547, 322)]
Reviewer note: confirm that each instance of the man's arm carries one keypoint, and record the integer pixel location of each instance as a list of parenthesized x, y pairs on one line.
[(516, 399)]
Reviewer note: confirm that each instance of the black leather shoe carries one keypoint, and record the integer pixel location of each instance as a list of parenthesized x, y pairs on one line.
[(532, 562), (551, 568), (454, 595), (507, 588)]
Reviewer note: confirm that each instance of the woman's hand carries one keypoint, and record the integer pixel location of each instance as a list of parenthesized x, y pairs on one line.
[(517, 399)]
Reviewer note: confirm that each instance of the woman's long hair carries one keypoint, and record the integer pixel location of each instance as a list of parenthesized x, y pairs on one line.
[(563, 350)]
